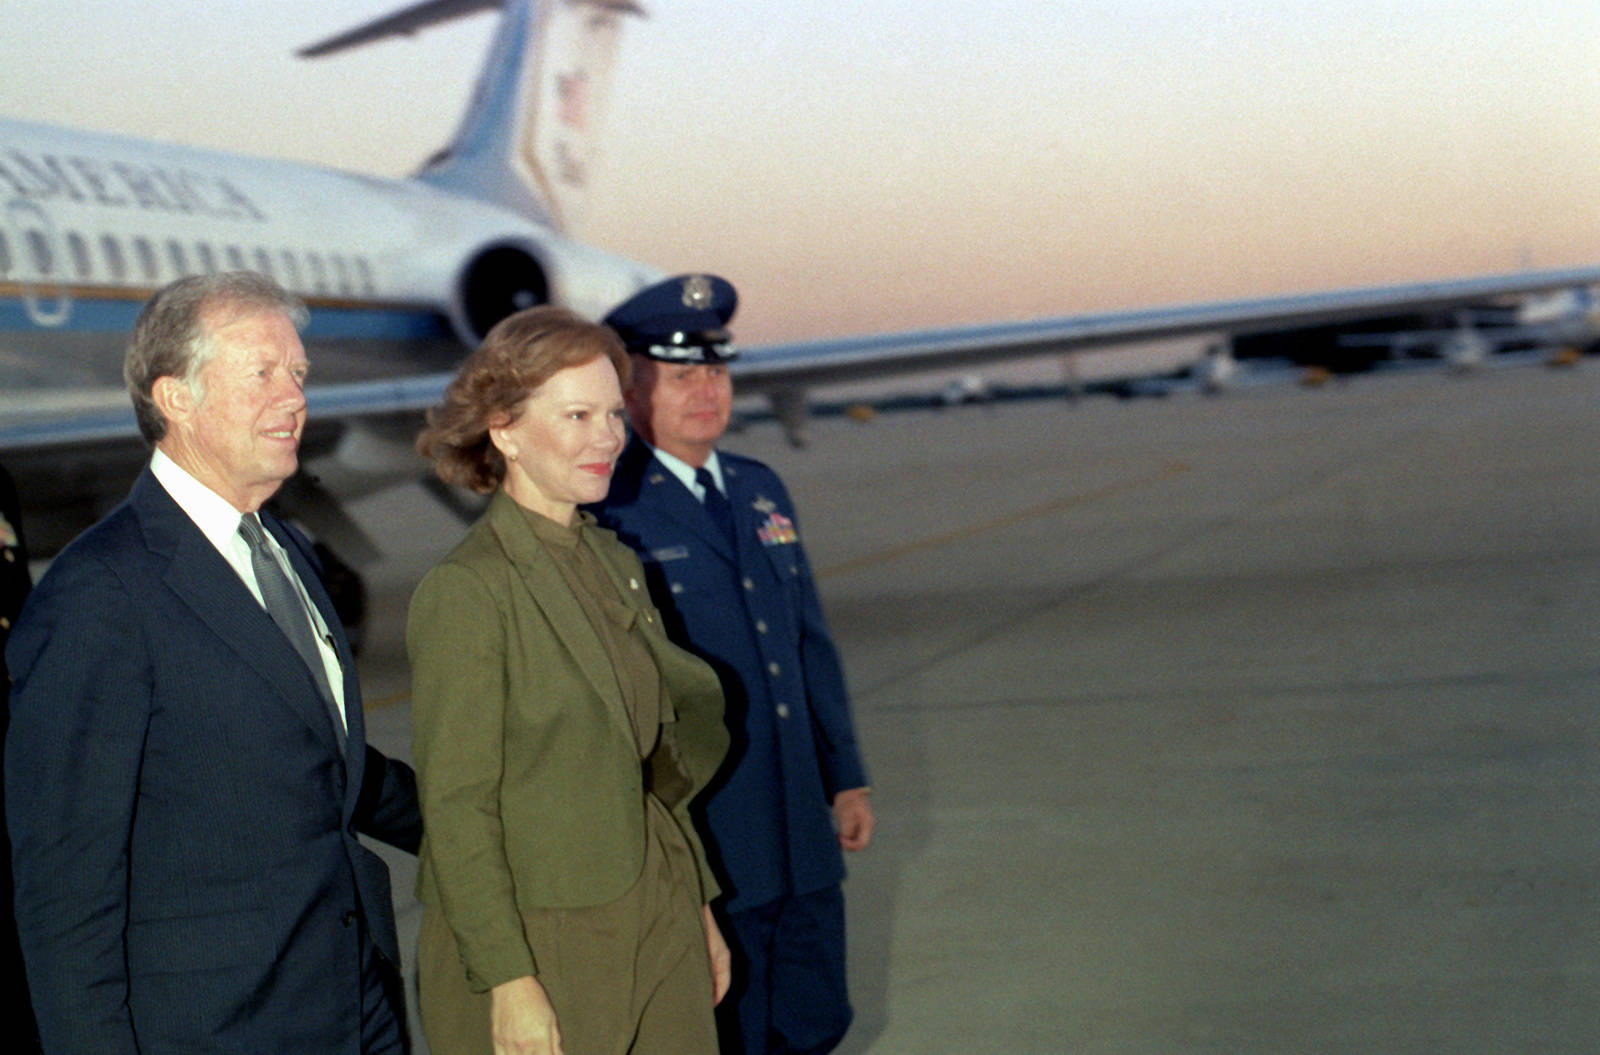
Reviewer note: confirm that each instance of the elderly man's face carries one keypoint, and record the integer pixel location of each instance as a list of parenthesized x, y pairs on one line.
[(242, 437)]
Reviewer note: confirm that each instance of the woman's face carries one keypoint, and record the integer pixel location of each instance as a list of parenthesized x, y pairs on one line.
[(562, 446)]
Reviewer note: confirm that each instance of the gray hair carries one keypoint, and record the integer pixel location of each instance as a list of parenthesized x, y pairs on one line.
[(173, 334)]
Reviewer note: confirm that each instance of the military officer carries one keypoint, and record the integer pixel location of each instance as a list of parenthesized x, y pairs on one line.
[(720, 542)]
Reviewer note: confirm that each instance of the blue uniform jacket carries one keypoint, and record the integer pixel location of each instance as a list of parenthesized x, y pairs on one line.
[(755, 617), (184, 824)]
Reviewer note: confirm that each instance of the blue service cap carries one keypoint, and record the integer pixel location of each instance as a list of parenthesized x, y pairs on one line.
[(681, 320)]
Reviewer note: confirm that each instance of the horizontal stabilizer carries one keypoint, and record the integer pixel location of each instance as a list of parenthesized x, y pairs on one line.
[(402, 23)]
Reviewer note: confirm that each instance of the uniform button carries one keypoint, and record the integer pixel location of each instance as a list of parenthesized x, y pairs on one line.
[(783, 710), (649, 618), (633, 584), (5, 624), (749, 583), (761, 626), (677, 587), (348, 919), (774, 669), (10, 557)]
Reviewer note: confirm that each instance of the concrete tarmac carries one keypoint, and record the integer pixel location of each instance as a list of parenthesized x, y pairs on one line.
[(1258, 724)]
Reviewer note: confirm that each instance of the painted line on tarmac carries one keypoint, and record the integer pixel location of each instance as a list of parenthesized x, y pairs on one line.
[(1170, 471), (368, 706)]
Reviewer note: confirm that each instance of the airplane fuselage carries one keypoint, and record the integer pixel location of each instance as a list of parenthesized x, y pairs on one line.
[(92, 223)]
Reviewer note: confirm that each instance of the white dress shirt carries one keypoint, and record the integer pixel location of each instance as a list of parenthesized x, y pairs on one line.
[(685, 472)]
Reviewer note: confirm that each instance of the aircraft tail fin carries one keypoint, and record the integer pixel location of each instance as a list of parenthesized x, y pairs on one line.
[(527, 140)]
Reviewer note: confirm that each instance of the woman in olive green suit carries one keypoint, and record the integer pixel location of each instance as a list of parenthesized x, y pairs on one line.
[(559, 736)]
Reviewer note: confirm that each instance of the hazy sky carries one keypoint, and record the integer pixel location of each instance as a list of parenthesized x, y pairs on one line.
[(920, 162)]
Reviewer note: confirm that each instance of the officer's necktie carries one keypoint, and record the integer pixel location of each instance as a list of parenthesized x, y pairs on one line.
[(283, 603), (716, 504)]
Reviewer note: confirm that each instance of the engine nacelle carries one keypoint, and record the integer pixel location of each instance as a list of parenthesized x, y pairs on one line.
[(506, 276), (499, 281)]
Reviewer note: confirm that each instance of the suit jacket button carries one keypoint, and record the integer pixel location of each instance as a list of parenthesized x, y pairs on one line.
[(783, 710), (761, 626), (749, 583), (774, 669)]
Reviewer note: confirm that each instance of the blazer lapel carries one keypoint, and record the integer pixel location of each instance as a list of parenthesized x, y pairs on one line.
[(197, 575), (549, 591)]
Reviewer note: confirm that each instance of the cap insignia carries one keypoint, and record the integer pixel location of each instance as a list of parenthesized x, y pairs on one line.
[(697, 292)]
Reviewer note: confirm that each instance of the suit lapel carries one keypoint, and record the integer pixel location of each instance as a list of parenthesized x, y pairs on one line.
[(550, 592), (203, 581)]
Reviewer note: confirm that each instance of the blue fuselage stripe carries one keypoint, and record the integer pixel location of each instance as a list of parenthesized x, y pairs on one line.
[(328, 322)]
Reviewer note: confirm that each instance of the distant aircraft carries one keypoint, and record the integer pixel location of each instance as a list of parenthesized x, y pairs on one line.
[(403, 276), (1563, 322)]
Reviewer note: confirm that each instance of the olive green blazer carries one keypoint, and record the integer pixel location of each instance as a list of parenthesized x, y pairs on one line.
[(531, 787)]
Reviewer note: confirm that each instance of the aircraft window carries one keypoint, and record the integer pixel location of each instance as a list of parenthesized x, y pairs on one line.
[(291, 269), (236, 260), (111, 249), (208, 258), (147, 258), (80, 253), (343, 273), (364, 270), (5, 254), (319, 278), (43, 259), (264, 262), (180, 260)]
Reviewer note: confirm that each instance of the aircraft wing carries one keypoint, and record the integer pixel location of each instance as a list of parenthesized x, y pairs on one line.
[(39, 420), (797, 364)]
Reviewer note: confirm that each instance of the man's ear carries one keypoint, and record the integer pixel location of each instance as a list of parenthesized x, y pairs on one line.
[(173, 398)]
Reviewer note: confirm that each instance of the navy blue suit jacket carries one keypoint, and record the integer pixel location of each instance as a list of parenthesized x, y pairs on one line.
[(754, 615), (183, 822)]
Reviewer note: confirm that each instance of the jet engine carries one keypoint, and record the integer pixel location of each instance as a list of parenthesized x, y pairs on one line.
[(508, 275)]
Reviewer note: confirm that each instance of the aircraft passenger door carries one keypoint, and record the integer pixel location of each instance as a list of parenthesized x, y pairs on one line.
[(36, 257)]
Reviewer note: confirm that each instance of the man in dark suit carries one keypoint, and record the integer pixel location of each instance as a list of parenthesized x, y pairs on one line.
[(15, 582), (187, 770), (718, 537)]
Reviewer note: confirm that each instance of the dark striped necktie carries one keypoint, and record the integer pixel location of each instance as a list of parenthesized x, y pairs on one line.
[(283, 603)]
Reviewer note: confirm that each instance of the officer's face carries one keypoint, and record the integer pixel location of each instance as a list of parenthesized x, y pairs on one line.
[(562, 446), (682, 408)]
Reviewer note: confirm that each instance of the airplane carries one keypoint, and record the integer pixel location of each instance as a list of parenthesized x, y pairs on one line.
[(1563, 322), (403, 276)]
